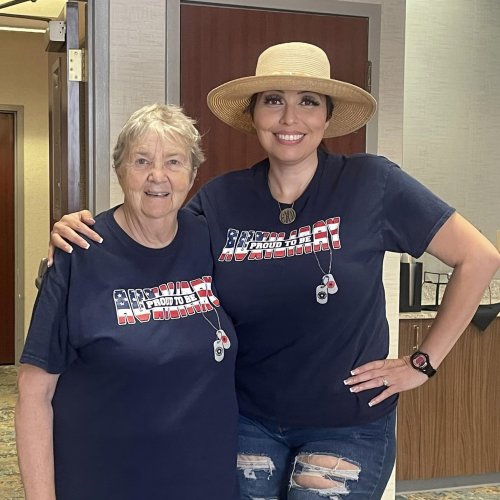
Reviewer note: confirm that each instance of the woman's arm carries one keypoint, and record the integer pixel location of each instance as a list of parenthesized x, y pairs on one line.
[(68, 229), (474, 261), (34, 438)]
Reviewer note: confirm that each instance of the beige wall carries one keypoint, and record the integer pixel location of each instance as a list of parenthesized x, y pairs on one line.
[(452, 106), (23, 66)]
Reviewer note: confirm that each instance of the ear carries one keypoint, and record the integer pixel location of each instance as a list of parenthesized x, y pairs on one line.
[(118, 172), (193, 178)]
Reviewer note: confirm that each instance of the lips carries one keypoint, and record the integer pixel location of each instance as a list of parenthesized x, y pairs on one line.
[(155, 194), (289, 137)]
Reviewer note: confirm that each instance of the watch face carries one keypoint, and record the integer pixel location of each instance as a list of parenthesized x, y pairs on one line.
[(419, 361)]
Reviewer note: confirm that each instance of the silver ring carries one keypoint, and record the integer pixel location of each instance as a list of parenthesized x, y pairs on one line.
[(385, 382)]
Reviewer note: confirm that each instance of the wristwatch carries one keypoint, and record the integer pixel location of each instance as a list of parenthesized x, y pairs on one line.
[(420, 361)]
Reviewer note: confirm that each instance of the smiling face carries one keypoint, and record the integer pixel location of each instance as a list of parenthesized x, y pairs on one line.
[(155, 177), (290, 124)]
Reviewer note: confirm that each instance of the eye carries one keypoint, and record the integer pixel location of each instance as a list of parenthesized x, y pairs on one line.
[(273, 99), (174, 164), (141, 162), (309, 100)]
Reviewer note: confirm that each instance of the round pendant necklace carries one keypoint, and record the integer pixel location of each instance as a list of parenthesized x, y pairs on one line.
[(287, 215)]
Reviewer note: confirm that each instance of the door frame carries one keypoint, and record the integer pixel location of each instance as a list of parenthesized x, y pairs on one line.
[(339, 7), (96, 88), (98, 119), (18, 112), (98, 144)]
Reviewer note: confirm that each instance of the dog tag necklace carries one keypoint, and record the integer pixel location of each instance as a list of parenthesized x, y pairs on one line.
[(222, 341), (328, 286)]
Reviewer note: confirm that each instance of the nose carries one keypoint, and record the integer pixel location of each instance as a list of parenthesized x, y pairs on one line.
[(289, 115), (157, 172)]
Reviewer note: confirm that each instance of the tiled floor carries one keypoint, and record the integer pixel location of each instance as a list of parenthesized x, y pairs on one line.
[(11, 488), (483, 493), (10, 483)]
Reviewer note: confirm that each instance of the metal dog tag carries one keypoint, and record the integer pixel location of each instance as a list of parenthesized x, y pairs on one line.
[(221, 335), (330, 284), (218, 351), (321, 294)]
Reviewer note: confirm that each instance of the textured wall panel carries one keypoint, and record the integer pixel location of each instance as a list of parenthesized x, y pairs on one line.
[(452, 106), (137, 65)]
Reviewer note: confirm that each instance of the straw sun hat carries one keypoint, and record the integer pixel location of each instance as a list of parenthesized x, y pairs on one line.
[(293, 66)]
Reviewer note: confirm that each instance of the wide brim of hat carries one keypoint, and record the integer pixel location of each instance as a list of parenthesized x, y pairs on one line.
[(353, 106)]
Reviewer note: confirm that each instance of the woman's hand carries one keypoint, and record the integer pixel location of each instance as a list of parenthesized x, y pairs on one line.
[(67, 229), (396, 374)]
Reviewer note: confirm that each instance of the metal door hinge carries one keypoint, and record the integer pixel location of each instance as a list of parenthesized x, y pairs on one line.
[(368, 84), (77, 65)]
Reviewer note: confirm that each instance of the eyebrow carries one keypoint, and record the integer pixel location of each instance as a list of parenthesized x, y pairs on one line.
[(145, 152)]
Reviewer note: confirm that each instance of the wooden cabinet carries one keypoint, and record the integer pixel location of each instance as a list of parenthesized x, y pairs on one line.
[(450, 426)]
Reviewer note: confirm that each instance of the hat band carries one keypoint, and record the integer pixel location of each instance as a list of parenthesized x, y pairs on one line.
[(290, 73)]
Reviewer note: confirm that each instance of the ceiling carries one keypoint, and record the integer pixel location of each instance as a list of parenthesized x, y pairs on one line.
[(44, 9)]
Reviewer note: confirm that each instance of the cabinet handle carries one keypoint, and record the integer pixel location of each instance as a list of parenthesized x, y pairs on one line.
[(416, 337)]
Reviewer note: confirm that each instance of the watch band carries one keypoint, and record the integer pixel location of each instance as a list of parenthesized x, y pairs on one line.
[(420, 361)]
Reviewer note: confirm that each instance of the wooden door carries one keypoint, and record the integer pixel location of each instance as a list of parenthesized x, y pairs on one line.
[(68, 186), (7, 246), (220, 44)]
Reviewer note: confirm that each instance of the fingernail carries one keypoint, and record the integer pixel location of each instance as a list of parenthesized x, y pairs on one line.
[(87, 246), (371, 403), (354, 389), (347, 381), (90, 220), (49, 264), (70, 250), (353, 372), (100, 240)]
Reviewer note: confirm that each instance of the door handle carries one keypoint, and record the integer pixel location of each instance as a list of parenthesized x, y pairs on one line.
[(416, 337)]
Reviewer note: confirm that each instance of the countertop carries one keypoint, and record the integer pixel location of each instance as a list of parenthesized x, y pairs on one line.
[(490, 296)]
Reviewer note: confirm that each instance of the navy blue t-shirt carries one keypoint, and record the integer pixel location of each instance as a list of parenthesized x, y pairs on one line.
[(294, 352), (145, 405)]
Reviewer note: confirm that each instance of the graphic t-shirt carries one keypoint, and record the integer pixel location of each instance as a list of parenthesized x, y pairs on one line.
[(307, 298), (145, 405)]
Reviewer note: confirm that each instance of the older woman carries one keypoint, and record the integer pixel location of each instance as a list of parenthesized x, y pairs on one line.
[(127, 385), (306, 232)]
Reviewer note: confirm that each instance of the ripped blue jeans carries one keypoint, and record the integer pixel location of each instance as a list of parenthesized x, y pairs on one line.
[(315, 463)]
